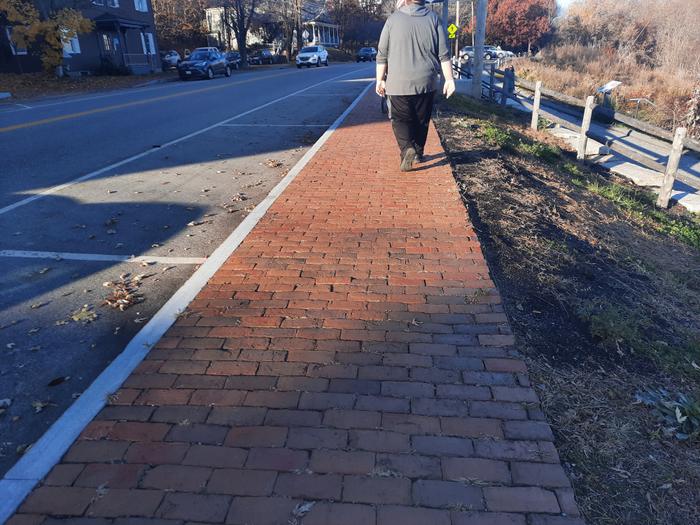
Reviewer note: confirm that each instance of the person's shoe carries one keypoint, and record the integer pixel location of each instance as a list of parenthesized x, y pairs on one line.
[(420, 158), (408, 158)]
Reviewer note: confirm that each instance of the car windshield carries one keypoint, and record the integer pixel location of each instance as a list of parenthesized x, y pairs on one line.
[(309, 50), (199, 55)]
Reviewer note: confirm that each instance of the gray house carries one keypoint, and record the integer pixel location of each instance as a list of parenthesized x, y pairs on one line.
[(124, 39)]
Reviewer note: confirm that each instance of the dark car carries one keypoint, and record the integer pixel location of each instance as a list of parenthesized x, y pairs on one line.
[(233, 59), (366, 54), (264, 56), (204, 62)]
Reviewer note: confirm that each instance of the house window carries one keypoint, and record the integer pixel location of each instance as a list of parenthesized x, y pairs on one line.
[(148, 44), (113, 3), (71, 47), (14, 47), (106, 43), (141, 5)]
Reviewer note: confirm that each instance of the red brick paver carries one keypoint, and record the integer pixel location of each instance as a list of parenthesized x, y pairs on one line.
[(349, 364)]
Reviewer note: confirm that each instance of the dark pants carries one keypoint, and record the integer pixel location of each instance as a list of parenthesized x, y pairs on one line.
[(410, 117)]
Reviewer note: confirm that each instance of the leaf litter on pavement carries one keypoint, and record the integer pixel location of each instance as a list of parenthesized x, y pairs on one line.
[(125, 291)]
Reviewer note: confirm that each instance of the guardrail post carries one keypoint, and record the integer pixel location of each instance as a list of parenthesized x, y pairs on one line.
[(585, 126), (536, 106), (492, 79), (674, 159)]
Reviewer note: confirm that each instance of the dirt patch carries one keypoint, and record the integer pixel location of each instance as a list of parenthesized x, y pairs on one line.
[(603, 293), (35, 85)]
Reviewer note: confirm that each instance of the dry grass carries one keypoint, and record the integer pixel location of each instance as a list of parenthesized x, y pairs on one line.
[(604, 303), (578, 71), (35, 85)]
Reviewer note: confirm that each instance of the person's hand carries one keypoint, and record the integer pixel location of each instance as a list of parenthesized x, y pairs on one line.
[(381, 88), (449, 88)]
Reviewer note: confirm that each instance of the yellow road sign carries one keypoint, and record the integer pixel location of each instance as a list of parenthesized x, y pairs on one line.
[(452, 30)]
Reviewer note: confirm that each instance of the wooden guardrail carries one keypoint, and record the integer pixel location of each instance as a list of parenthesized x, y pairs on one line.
[(679, 139)]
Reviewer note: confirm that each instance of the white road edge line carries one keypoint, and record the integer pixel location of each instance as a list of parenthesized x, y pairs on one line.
[(100, 257), (150, 151), (274, 125), (48, 450)]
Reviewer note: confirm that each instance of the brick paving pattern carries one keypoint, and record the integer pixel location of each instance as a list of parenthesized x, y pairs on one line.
[(349, 364)]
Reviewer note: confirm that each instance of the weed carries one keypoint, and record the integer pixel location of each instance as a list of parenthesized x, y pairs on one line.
[(678, 415), (496, 135), (640, 205), (540, 150)]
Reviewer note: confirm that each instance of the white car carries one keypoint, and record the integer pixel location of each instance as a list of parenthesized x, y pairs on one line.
[(171, 59), (312, 56)]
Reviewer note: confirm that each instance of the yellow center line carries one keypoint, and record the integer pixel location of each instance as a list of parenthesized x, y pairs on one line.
[(79, 114)]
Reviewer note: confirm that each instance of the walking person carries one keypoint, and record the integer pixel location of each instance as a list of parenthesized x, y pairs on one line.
[(412, 51)]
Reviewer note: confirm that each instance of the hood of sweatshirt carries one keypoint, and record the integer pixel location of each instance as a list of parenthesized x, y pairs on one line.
[(415, 10)]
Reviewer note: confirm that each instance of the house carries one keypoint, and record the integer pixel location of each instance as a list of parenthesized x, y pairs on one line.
[(123, 40), (321, 28)]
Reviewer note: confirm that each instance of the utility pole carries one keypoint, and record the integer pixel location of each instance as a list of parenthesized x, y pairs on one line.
[(472, 1), (445, 14), (458, 31), (480, 38)]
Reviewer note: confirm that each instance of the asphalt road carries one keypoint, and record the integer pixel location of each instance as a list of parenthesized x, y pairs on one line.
[(163, 173)]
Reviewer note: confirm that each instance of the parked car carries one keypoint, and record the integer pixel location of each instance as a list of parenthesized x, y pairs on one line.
[(204, 62), (366, 54), (312, 56), (264, 56), (233, 59), (490, 52), (170, 60)]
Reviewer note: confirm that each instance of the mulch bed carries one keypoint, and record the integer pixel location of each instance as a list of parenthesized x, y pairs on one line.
[(604, 303)]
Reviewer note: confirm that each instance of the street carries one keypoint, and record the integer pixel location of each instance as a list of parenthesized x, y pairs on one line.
[(109, 202)]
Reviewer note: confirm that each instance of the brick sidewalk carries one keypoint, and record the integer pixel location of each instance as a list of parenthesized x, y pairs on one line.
[(352, 353)]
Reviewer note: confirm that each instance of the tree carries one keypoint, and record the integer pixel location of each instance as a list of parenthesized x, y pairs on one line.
[(44, 26), (238, 16), (179, 23), (519, 23)]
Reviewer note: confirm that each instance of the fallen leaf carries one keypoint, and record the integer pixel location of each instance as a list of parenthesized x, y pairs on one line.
[(272, 163), (33, 331), (38, 305), (10, 346), (39, 405), (85, 315), (140, 320), (22, 449), (111, 232), (43, 271), (300, 511), (58, 380)]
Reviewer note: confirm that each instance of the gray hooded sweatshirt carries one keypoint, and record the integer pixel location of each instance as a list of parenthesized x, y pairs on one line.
[(413, 43)]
